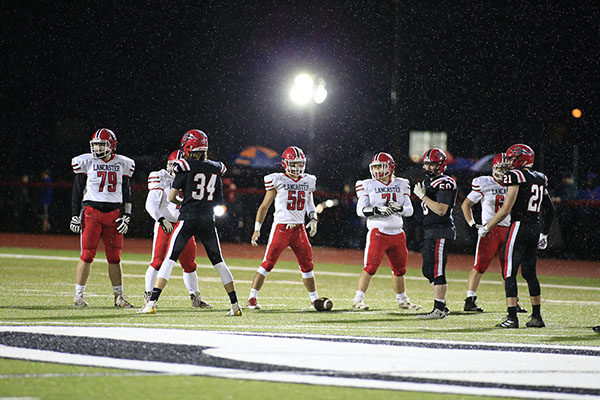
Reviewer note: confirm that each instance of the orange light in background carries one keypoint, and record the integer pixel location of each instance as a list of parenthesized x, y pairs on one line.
[(576, 113)]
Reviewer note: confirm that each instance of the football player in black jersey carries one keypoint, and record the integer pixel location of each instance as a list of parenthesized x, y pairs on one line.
[(438, 196), (527, 192), (199, 179)]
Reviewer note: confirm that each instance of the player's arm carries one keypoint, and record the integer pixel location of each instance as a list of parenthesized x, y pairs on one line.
[(125, 219), (548, 213), (407, 207), (439, 208), (172, 196), (261, 214), (467, 209), (504, 211), (76, 198)]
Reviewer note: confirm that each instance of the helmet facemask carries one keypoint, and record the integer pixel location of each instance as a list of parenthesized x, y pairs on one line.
[(295, 167), (498, 171), (100, 148), (379, 170)]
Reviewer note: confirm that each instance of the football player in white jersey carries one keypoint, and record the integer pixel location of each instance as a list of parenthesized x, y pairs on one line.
[(102, 189), (292, 192), (384, 200), (490, 191), (165, 215)]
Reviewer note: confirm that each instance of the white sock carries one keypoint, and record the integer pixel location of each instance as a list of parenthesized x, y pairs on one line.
[(150, 278), (471, 293), (79, 288), (191, 281), (313, 296), (253, 293), (401, 297), (358, 296), (118, 290), (441, 300)]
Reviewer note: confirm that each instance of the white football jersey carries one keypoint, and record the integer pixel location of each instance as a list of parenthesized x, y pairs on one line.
[(294, 198), (104, 178), (157, 203), (374, 193), (493, 195)]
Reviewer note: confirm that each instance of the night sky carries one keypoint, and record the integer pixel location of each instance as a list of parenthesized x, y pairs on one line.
[(487, 75)]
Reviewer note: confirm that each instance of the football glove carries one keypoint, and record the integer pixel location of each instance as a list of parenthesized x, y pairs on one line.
[(419, 190), (123, 223), (396, 207), (312, 227), (166, 226), (542, 242), (483, 230), (384, 211), (75, 225)]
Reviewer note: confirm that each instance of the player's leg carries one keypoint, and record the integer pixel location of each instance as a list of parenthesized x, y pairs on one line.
[(302, 249), (207, 233), (190, 278), (113, 244), (279, 239), (160, 242), (484, 253), (179, 238), (397, 254), (435, 253), (529, 273), (374, 249), (512, 256), (89, 239)]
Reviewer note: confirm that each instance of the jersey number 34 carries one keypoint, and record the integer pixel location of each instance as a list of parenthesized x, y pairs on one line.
[(203, 186)]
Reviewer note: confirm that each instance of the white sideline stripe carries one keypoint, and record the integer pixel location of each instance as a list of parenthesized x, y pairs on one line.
[(488, 367), (75, 375), (285, 270)]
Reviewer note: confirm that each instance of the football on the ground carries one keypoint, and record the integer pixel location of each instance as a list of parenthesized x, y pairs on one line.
[(323, 304)]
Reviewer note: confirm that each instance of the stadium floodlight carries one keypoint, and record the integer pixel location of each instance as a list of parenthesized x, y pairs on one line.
[(220, 211), (302, 91)]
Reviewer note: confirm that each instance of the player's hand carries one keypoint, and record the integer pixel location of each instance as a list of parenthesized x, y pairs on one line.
[(255, 237), (312, 227), (483, 230), (542, 242), (419, 190), (395, 206), (75, 225), (123, 223), (166, 226), (384, 211)]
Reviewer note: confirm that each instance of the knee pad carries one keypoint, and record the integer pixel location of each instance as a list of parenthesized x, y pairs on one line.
[(428, 274), (399, 271), (113, 256), (439, 280), (189, 268), (480, 267), (87, 255), (224, 273), (307, 268), (370, 269)]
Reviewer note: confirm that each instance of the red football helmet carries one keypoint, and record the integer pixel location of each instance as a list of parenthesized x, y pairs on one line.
[(499, 166), (520, 156), (196, 141), (293, 161), (193, 134), (382, 165), (174, 156), (435, 156), (103, 143)]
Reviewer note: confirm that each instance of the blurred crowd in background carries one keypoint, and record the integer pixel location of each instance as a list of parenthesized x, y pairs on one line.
[(38, 204)]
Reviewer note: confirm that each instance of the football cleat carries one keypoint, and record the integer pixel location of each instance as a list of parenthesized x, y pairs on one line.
[(407, 305), (535, 322), (360, 305), (199, 303), (236, 311), (434, 314), (78, 301), (508, 323), (147, 296), (519, 308), (121, 302), (253, 304), (596, 329), (471, 305), (149, 308)]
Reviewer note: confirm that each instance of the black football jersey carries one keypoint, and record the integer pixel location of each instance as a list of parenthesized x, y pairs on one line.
[(532, 189), (443, 190), (201, 185)]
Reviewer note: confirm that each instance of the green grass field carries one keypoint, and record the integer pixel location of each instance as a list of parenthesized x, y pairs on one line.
[(38, 290)]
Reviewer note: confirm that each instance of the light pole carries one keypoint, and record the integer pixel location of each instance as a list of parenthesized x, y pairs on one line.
[(308, 92)]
